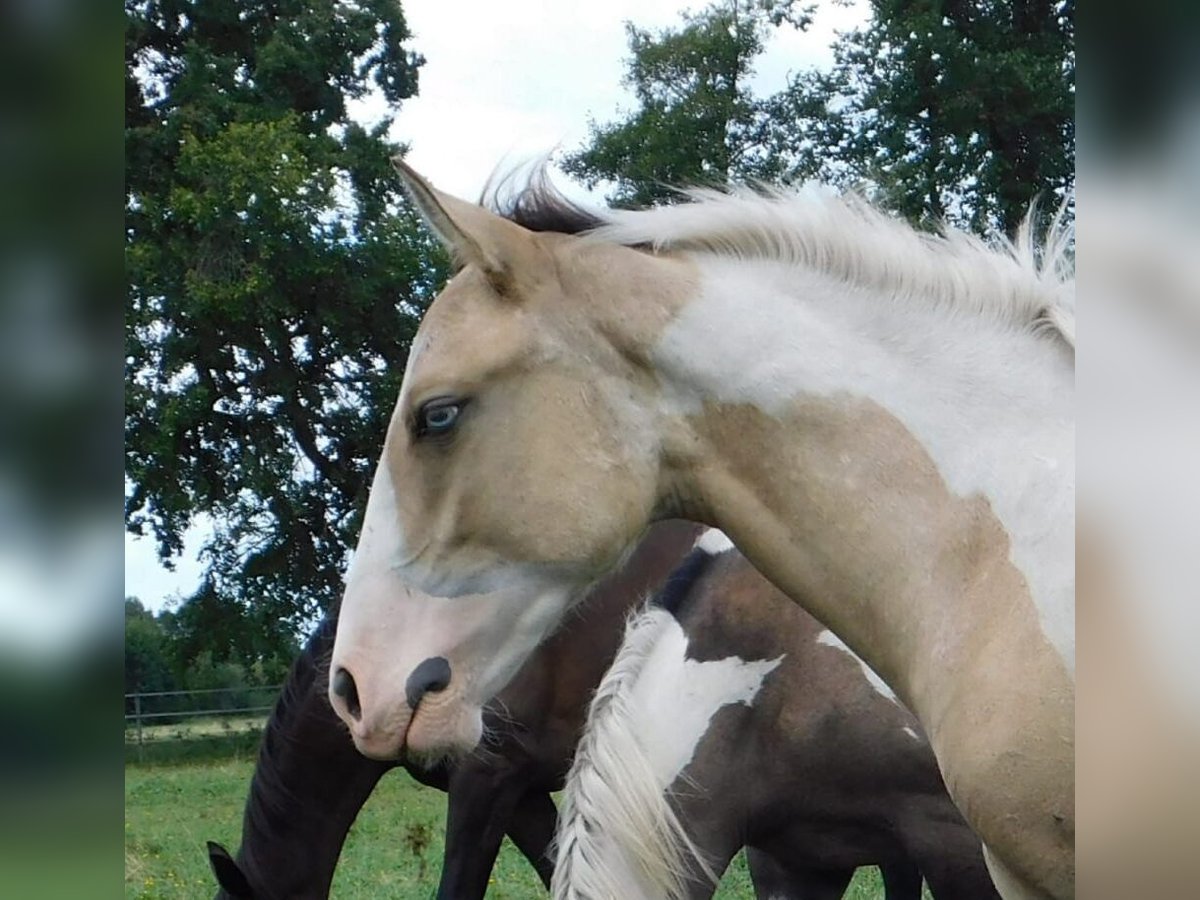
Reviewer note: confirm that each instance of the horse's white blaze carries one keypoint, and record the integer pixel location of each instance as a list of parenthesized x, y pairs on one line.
[(675, 698), (994, 415), (829, 639), (381, 542), (714, 542)]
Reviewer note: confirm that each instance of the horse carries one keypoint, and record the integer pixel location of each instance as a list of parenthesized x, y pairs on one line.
[(881, 420), (730, 718), (310, 782)]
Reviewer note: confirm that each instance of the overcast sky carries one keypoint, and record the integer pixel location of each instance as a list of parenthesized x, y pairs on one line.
[(507, 82)]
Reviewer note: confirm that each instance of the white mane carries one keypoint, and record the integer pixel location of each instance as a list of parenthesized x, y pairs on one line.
[(613, 805), (848, 238)]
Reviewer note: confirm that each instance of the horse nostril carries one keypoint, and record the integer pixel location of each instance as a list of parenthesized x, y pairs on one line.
[(344, 687), (431, 675)]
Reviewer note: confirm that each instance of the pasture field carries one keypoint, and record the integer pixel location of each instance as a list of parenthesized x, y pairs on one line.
[(394, 849), (205, 726)]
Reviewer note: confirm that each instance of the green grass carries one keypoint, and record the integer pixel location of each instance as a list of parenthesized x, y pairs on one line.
[(394, 849)]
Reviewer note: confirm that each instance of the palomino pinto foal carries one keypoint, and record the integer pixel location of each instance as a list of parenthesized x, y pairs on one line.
[(732, 718), (881, 420), (310, 782)]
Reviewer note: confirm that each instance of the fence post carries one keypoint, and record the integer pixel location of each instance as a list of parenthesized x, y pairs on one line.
[(137, 717)]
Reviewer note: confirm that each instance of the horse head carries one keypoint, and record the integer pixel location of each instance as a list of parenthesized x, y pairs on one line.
[(517, 469)]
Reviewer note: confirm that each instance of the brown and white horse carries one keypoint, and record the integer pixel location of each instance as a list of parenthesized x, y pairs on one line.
[(880, 420), (733, 718)]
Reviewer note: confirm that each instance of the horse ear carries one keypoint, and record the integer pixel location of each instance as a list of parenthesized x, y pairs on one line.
[(476, 236), (229, 874)]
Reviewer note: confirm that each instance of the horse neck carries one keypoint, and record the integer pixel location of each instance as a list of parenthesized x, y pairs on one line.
[(873, 456), (308, 786)]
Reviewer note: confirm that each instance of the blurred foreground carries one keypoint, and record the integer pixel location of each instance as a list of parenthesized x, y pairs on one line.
[(1138, 375), (60, 550)]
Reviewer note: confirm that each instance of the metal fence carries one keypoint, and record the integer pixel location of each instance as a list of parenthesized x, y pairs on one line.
[(167, 715)]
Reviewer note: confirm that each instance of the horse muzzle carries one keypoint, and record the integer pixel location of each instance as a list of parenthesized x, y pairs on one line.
[(427, 719)]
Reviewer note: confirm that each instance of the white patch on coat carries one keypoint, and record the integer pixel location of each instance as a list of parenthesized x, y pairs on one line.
[(617, 834), (675, 699), (991, 405), (714, 542), (829, 639), (911, 732)]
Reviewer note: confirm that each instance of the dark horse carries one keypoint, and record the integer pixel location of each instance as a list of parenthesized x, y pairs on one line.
[(731, 718), (310, 782)]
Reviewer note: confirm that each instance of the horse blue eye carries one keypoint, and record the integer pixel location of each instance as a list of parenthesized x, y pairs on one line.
[(437, 419)]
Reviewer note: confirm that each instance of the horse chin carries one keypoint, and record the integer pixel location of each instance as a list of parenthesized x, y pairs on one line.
[(384, 748), (441, 731)]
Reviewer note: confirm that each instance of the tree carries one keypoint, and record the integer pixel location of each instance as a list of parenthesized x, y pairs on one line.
[(147, 658), (274, 281), (217, 628), (958, 110), (697, 121), (208, 642)]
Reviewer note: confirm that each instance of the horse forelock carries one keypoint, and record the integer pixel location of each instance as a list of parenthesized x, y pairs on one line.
[(535, 204)]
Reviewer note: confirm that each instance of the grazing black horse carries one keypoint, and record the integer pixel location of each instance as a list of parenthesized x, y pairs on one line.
[(731, 718), (310, 782)]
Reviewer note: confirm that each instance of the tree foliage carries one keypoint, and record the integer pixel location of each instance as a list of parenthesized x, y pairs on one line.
[(147, 655), (958, 110), (274, 282), (696, 120), (209, 642)]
